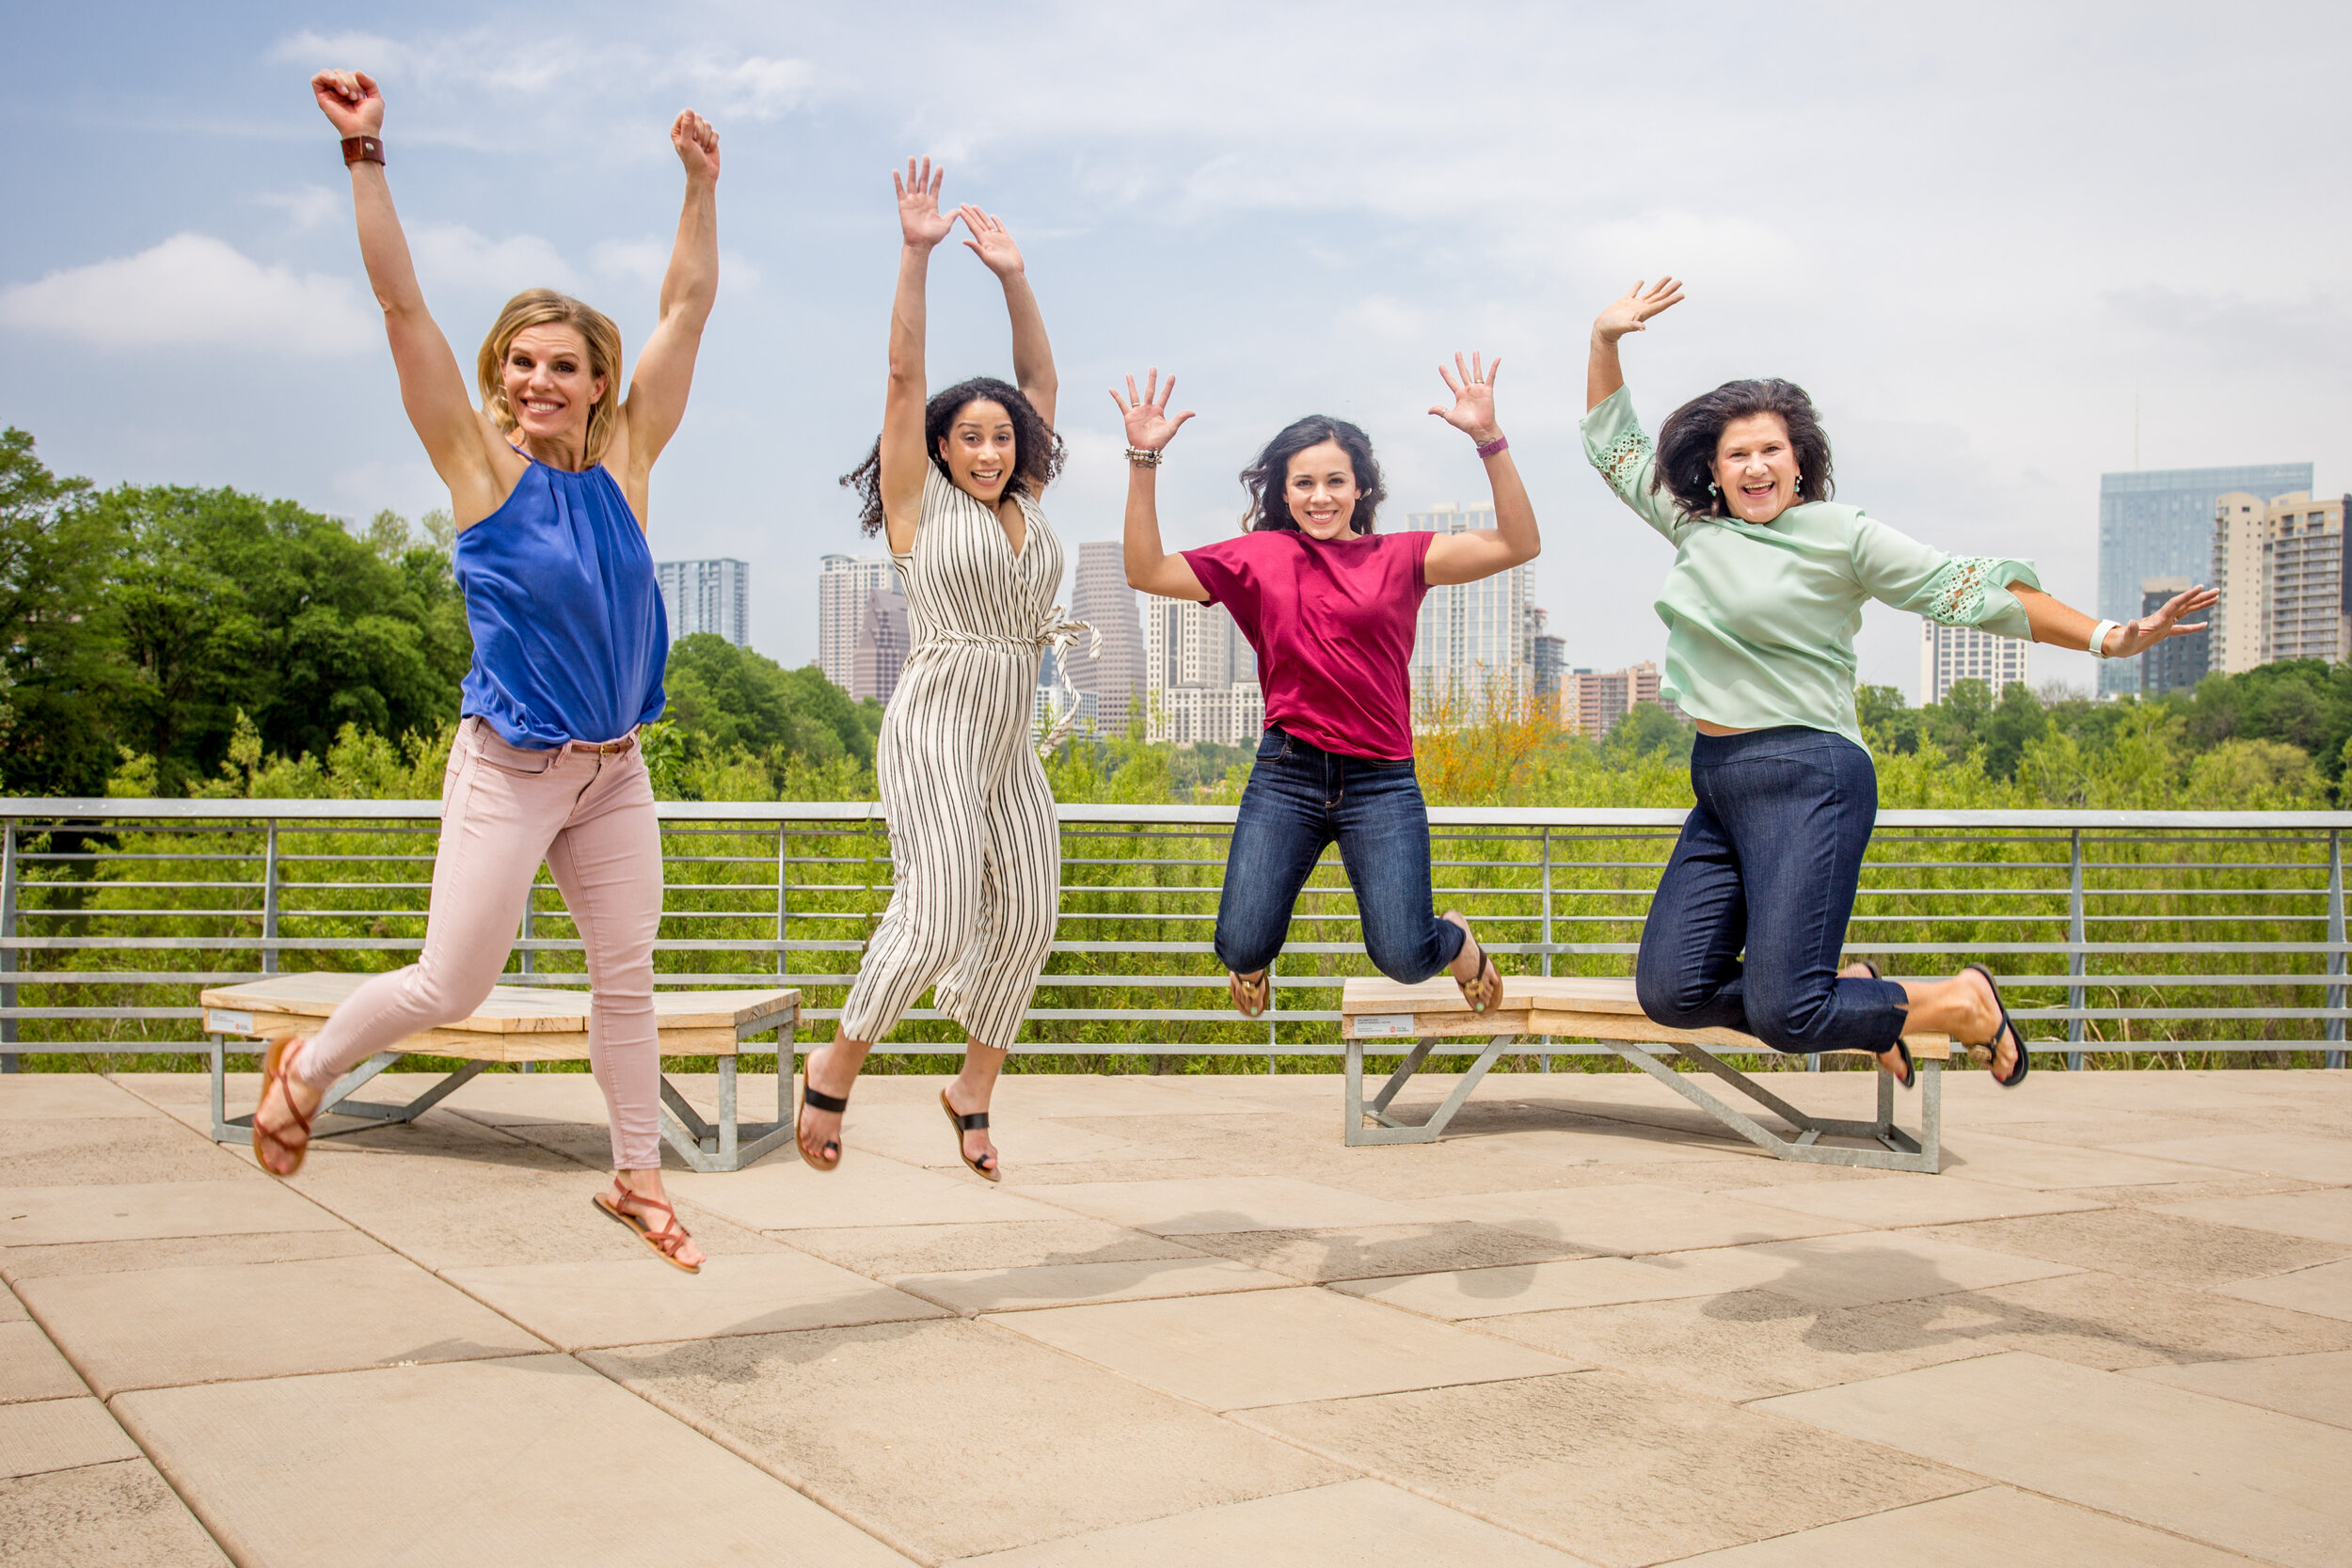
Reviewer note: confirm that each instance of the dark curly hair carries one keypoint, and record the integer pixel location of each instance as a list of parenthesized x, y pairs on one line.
[(1037, 452), (1688, 440), (1268, 478)]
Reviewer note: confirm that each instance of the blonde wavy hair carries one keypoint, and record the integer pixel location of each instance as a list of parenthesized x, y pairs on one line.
[(542, 307)]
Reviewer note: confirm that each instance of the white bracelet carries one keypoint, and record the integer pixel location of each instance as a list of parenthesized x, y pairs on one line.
[(2098, 648)]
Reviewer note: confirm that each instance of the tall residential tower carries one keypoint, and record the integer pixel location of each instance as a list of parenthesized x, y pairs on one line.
[(2158, 523)]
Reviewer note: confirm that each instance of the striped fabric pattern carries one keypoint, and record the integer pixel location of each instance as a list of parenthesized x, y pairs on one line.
[(973, 841)]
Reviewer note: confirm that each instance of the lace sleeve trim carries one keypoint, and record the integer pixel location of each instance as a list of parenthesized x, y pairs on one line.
[(1622, 459), (1957, 591)]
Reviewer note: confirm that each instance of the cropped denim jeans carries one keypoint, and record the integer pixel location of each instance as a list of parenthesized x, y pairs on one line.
[(1769, 861), (1300, 799)]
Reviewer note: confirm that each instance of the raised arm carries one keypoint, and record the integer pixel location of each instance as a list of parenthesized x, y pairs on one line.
[(1150, 568), (1032, 354), (432, 387), (1483, 552), (1603, 373), (905, 458), (665, 369)]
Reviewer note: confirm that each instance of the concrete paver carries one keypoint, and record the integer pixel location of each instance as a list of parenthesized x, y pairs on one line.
[(956, 1437), (1212, 1205), (2325, 1290), (56, 1096), (1899, 1201), (1611, 1467), (59, 1435), (2229, 1474), (2316, 1387), (1577, 1282), (1361, 1523), (18, 1264), (117, 1516), (1857, 1268), (782, 1193), (2011, 1162), (1997, 1525), (2171, 1248), (1633, 1218), (530, 1460), (107, 1151), (2323, 1215), (642, 1300), (1277, 1347), (1379, 1251), (163, 1327), (2263, 1154), (33, 1216), (886, 1251), (2098, 1320), (1073, 1284), (30, 1367)]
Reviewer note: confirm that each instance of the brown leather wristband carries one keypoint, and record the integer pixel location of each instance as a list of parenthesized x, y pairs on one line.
[(362, 149)]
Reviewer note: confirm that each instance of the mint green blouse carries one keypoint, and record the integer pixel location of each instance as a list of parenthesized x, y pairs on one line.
[(1760, 617)]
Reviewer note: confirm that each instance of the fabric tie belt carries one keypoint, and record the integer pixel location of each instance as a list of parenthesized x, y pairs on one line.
[(1059, 632)]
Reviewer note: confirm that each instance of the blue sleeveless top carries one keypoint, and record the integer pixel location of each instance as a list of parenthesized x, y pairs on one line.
[(569, 637)]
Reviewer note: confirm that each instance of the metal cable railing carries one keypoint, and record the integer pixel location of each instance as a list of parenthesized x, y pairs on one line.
[(2137, 931)]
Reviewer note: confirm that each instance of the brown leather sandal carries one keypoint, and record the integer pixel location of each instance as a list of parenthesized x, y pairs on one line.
[(1475, 996), (298, 1122), (665, 1241), (1251, 996)]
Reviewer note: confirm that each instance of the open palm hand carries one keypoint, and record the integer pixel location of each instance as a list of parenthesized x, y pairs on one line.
[(1631, 314), (1149, 427), (2152, 629), (990, 242), (919, 218), (1473, 388)]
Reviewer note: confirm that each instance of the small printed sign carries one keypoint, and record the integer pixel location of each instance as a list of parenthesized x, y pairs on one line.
[(1383, 1026), (223, 1021)]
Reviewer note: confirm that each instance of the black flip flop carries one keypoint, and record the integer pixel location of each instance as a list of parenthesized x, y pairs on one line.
[(817, 1099), (1909, 1077), (973, 1123), (2017, 1074)]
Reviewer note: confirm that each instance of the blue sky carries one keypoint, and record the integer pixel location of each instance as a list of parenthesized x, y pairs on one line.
[(1981, 236)]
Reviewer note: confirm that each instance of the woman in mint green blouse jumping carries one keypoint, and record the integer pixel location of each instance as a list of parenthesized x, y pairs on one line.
[(1761, 606)]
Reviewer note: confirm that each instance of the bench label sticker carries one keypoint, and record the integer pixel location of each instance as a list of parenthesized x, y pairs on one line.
[(1384, 1026), (222, 1021)]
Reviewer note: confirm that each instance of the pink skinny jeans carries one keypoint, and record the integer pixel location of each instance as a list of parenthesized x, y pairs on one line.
[(504, 809)]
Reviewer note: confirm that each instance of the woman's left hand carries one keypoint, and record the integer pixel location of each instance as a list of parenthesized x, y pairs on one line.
[(2148, 630), (1473, 410), (990, 242), (697, 144)]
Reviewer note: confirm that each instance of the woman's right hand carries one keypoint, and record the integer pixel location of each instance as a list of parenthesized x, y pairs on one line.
[(350, 100), (1632, 313), (1150, 428), (919, 218)]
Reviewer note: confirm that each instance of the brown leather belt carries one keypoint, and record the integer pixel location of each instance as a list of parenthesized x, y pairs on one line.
[(603, 748)]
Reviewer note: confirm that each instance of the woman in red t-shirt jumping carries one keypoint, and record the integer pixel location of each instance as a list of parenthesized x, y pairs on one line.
[(1329, 606)]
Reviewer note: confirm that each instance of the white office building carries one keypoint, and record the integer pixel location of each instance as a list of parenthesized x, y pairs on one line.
[(1472, 634), (1948, 655), (844, 583), (1200, 675), (2281, 570), (706, 595)]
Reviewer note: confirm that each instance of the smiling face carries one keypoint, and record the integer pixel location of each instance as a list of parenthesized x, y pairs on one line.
[(1756, 468), (549, 389), (1320, 486), (979, 449)]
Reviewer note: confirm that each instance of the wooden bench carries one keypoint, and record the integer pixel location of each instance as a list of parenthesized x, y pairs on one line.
[(522, 1024), (1415, 1019)]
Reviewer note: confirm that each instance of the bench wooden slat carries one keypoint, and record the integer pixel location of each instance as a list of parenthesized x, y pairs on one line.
[(509, 1009)]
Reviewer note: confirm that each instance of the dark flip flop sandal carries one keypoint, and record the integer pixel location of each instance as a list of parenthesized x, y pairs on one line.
[(665, 1241), (1251, 996), (1909, 1077), (1474, 989), (963, 1124), (2017, 1074), (817, 1099), (273, 1072)]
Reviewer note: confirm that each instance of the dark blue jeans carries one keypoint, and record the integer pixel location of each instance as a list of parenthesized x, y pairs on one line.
[(1769, 861), (1300, 797)]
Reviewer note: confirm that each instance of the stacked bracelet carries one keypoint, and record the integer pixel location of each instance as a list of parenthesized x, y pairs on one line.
[(1143, 457), (362, 149), (1487, 449)]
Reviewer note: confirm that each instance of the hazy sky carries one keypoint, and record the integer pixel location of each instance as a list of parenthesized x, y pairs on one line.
[(1981, 236)]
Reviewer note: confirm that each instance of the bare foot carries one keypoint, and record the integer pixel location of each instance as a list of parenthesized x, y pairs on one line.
[(1470, 963), (820, 1131), (282, 1138), (628, 1186), (1988, 1030), (978, 1148)]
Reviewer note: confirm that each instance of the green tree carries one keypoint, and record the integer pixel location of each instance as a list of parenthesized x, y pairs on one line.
[(723, 697), (2016, 721), (58, 668), (1892, 725)]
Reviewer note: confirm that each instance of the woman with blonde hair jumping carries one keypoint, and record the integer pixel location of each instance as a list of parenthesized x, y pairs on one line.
[(548, 486)]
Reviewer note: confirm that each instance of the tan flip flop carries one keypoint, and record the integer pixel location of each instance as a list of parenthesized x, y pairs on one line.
[(1251, 996)]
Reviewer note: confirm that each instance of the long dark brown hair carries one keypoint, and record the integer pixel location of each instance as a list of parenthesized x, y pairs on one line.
[(1268, 479), (1038, 454)]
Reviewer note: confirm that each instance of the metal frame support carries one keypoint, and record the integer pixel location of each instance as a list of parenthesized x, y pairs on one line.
[(1544, 1059), (1391, 1131), (269, 901), (2075, 935), (7, 928), (2335, 941)]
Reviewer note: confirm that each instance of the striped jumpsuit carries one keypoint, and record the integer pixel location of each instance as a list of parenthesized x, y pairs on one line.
[(973, 841)]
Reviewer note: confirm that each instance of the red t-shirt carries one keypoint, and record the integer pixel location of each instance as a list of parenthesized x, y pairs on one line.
[(1333, 626)]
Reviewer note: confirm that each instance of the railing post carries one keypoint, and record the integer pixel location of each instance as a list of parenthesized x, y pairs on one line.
[(269, 901), (2074, 937), (7, 928), (1544, 1061), (2335, 941), (782, 968)]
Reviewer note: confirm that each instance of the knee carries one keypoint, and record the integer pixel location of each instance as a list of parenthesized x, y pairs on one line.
[(1408, 959), (1677, 999), (439, 995)]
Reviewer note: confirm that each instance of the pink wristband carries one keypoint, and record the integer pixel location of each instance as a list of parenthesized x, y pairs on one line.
[(1499, 444)]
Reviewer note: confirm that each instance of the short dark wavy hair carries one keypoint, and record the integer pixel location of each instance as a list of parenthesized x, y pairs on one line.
[(1688, 440), (1037, 452), (1268, 477)]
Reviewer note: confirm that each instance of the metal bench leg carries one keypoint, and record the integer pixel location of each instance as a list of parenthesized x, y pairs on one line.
[(1903, 1151), (338, 1101), (1391, 1131)]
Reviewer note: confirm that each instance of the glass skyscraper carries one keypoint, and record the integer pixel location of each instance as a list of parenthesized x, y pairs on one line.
[(2158, 523)]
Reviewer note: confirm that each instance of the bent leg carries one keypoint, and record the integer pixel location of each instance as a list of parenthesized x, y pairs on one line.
[(1278, 834), (1383, 830), (1687, 975)]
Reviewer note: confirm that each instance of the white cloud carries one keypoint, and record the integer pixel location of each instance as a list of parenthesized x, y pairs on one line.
[(306, 206), (193, 290), (452, 253), (639, 260)]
